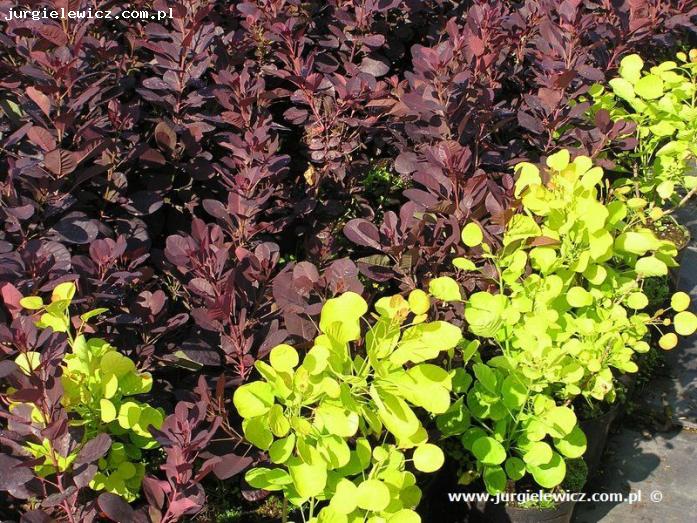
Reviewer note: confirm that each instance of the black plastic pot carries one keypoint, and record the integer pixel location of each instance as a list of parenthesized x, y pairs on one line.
[(500, 513), (596, 431)]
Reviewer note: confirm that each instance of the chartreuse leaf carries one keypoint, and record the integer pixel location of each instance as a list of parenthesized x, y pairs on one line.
[(428, 458), (622, 88), (651, 266), (630, 68), (404, 516), (573, 445), (455, 420), (636, 242), (560, 421), (419, 302), (284, 358), (649, 87), (488, 451), (268, 479), (559, 160), (668, 341), (579, 297), (63, 291), (485, 376), (445, 288), (282, 449), (515, 468), (637, 300), (425, 341), (373, 495), (685, 323), (550, 474), (278, 423), (464, 264), (392, 306), (342, 314), (514, 393), (483, 313), (253, 399), (537, 453), (472, 234), (91, 314), (309, 480), (680, 301), (344, 499), (494, 479), (528, 174), (32, 302), (107, 411), (57, 323)]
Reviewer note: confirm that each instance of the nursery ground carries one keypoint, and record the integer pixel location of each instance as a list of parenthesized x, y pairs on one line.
[(660, 452)]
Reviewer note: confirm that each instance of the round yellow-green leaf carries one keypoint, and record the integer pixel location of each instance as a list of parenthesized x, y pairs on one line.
[(622, 88), (668, 341), (472, 234), (373, 495), (63, 291), (685, 323), (515, 468), (32, 302), (329, 515), (550, 474), (489, 451), (309, 480), (284, 358), (680, 301), (560, 421), (445, 288), (579, 297), (129, 414), (665, 189), (107, 411), (428, 458), (494, 479), (253, 399), (637, 300), (278, 423), (116, 363), (344, 499), (630, 67), (404, 516), (538, 453), (649, 87), (464, 264), (281, 449), (573, 445), (651, 266), (419, 302), (267, 479), (559, 160)]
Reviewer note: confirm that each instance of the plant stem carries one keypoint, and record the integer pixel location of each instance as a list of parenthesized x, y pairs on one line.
[(682, 202)]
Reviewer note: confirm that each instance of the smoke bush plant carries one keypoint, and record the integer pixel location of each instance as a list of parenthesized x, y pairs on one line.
[(662, 102), (565, 316), (98, 385), (172, 169), (573, 266), (342, 425)]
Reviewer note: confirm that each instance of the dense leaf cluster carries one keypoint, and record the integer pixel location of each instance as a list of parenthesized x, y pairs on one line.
[(208, 181)]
